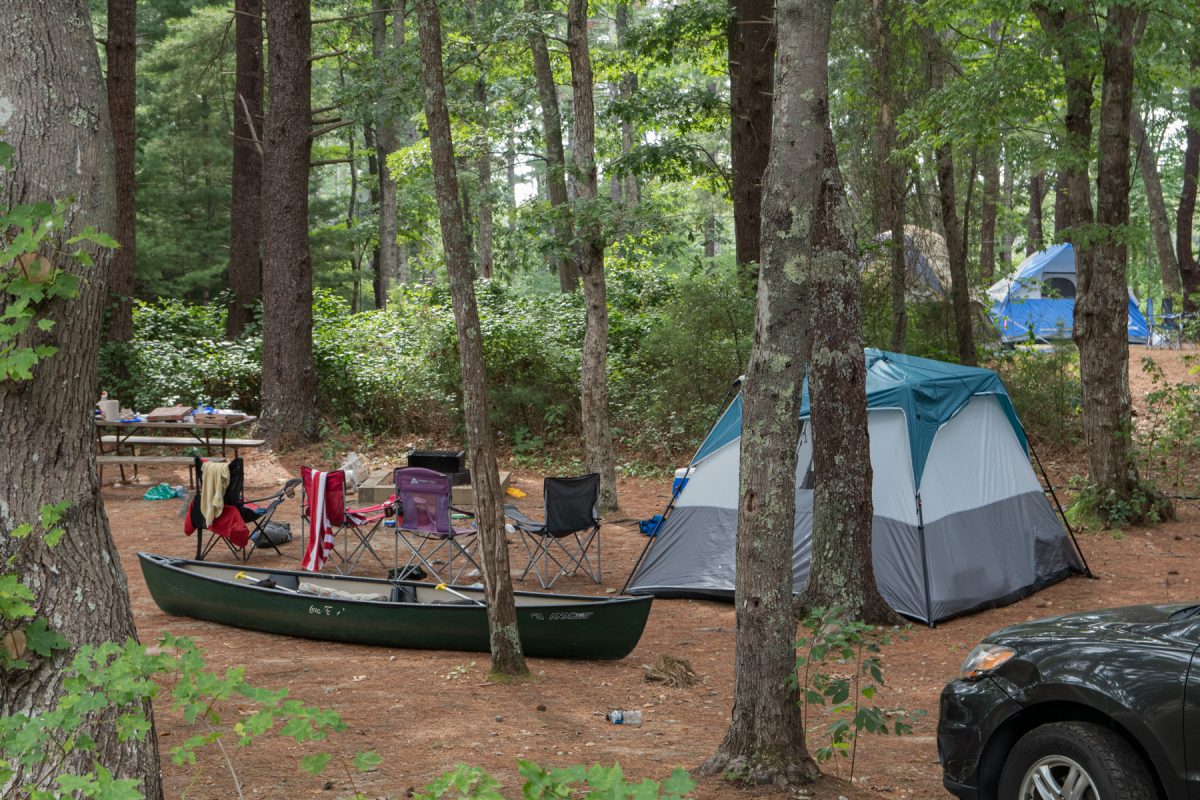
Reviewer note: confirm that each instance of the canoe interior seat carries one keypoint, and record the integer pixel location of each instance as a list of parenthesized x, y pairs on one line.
[(403, 594), (286, 582)]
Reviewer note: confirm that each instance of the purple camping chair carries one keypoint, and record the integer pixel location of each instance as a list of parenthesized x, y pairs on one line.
[(425, 526)]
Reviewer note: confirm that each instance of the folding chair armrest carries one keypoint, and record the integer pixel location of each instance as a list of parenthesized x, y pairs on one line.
[(521, 521)]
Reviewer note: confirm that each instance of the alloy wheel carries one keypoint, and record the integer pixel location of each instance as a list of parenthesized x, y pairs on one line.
[(1058, 778)]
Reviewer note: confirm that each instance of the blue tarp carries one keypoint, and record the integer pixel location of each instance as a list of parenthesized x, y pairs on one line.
[(1042, 319), (929, 393)]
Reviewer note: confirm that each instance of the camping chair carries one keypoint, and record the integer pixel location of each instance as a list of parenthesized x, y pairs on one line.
[(242, 523), (571, 526), (324, 518), (424, 500)]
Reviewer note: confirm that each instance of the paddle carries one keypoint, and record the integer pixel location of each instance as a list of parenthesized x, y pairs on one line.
[(444, 588), (266, 584)]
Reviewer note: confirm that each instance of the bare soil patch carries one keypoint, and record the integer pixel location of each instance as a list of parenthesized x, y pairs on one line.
[(425, 711)]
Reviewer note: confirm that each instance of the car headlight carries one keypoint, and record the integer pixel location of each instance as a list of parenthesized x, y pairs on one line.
[(984, 660)]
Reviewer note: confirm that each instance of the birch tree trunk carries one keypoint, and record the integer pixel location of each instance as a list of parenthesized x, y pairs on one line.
[(54, 115), (245, 207), (765, 739), (593, 368), (289, 380), (751, 86), (507, 657), (556, 165), (121, 47)]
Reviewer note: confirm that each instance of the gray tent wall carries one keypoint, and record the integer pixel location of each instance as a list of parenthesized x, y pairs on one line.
[(978, 533)]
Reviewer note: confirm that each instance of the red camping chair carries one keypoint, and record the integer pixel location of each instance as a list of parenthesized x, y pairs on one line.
[(324, 516)]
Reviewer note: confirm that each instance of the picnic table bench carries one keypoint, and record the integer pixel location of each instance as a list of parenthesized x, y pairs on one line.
[(180, 441), (129, 460)]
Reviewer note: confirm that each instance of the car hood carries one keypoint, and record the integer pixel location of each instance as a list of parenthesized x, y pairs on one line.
[(1125, 622)]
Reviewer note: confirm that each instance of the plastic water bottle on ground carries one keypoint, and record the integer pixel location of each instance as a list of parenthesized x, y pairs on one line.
[(633, 717)]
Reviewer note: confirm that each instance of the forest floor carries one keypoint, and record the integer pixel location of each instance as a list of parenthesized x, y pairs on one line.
[(426, 711)]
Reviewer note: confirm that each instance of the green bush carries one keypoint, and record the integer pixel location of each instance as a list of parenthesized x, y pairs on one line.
[(1045, 390)]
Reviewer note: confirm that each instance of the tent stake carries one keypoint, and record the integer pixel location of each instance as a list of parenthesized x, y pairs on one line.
[(733, 387), (1086, 569)]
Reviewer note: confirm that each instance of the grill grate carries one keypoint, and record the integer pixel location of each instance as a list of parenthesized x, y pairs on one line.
[(449, 462)]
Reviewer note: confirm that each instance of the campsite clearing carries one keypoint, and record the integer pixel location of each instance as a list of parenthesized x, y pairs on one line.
[(424, 712)]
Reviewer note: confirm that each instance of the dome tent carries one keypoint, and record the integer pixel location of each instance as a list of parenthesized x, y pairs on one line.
[(960, 520), (1038, 300)]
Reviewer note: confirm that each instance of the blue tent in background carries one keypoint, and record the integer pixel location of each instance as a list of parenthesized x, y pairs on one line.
[(1038, 301)]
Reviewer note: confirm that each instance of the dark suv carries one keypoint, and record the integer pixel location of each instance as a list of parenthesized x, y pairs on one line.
[(1103, 705)]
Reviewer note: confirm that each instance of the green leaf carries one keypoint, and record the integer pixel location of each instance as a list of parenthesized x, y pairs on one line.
[(315, 764), (367, 760), (42, 640)]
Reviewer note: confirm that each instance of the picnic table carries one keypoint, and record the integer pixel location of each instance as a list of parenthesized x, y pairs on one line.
[(196, 434)]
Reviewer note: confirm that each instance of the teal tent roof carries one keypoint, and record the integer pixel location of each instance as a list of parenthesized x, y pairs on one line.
[(929, 393)]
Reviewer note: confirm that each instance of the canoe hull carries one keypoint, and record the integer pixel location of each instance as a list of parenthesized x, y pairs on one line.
[(569, 627)]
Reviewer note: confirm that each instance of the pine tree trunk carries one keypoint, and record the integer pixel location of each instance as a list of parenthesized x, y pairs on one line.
[(556, 165), (751, 87), (1007, 236), (385, 143), (56, 120), (121, 47), (379, 280), (631, 191), (960, 296), (891, 173), (765, 739), (1101, 316), (989, 212), (289, 382), (1160, 225), (1034, 236), (1189, 269), (487, 225), (245, 208), (507, 657), (593, 368)]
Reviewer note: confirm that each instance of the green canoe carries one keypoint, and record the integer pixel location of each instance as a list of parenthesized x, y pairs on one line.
[(389, 613)]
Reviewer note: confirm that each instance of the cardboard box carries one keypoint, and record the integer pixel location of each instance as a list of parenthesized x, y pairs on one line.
[(169, 413), (219, 419)]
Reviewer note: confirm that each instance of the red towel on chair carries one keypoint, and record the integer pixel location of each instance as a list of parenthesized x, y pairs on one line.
[(228, 524), (326, 508)]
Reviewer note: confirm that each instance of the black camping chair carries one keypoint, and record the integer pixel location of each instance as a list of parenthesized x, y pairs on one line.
[(571, 527), (255, 513)]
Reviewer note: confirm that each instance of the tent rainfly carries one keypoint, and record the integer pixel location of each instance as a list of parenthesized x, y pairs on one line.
[(960, 520), (1038, 301)]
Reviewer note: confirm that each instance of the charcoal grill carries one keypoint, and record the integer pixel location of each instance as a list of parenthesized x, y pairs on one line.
[(448, 462)]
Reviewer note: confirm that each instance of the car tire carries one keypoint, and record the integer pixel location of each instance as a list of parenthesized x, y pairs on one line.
[(1079, 750)]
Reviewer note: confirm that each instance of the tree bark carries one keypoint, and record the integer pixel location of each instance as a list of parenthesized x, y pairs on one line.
[(1034, 236), (55, 118), (1101, 304), (385, 144), (765, 739), (631, 190), (245, 208), (556, 165), (1189, 269), (487, 225), (121, 48), (891, 173), (1160, 224), (379, 282), (507, 657), (960, 295), (289, 381), (751, 86), (989, 212), (841, 573), (1007, 235), (593, 368)]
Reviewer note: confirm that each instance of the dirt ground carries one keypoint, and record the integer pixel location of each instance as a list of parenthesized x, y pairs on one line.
[(425, 711)]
